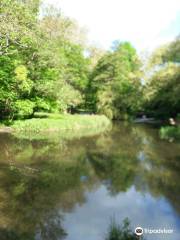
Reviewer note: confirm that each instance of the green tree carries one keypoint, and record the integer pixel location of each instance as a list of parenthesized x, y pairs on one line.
[(116, 82), (163, 84), (43, 67)]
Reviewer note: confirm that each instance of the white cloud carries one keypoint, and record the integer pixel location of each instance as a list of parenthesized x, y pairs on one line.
[(143, 22)]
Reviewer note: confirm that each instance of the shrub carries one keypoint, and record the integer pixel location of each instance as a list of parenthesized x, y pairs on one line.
[(118, 232), (170, 133), (23, 108)]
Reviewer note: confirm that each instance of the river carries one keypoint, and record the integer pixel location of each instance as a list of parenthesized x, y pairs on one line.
[(72, 189)]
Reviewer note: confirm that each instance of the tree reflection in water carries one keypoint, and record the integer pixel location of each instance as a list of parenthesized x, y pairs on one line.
[(40, 180)]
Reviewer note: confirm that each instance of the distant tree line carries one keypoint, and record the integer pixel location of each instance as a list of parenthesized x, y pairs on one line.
[(46, 65)]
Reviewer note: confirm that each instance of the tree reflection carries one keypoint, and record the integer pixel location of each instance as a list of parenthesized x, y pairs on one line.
[(114, 158), (160, 167), (35, 190), (40, 180)]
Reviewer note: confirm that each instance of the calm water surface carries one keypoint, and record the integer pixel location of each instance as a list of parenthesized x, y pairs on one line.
[(72, 189)]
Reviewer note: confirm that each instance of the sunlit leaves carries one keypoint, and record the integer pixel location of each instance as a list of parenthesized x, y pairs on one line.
[(116, 81)]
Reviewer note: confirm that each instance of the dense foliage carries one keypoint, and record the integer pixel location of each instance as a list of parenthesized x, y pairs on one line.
[(46, 65), (42, 65), (162, 91), (115, 84)]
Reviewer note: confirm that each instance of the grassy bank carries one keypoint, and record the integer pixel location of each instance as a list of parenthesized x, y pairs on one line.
[(45, 126), (170, 133)]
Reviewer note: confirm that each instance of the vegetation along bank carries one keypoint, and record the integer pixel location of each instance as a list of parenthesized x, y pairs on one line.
[(47, 65)]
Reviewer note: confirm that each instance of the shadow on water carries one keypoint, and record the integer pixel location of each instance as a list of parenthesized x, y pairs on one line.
[(42, 182)]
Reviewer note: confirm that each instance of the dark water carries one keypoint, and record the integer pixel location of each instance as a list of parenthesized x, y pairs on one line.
[(72, 189)]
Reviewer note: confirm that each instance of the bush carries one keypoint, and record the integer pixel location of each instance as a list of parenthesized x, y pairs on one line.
[(117, 232), (23, 108), (170, 133)]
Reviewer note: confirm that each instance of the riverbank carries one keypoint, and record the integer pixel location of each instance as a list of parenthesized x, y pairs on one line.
[(170, 133), (55, 125)]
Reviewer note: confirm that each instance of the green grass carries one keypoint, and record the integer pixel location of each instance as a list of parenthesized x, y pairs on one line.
[(46, 126), (170, 133)]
